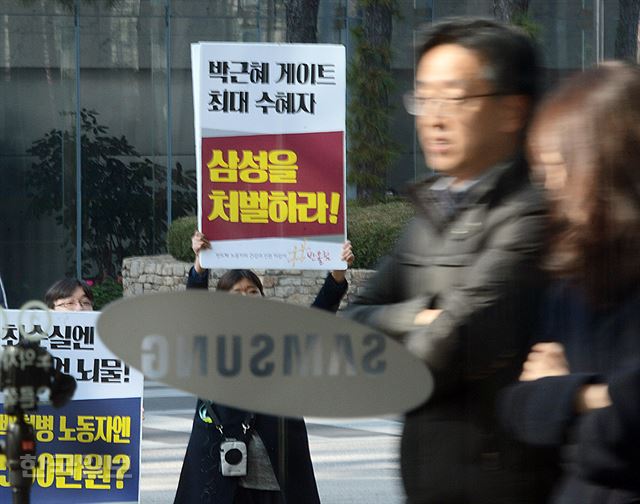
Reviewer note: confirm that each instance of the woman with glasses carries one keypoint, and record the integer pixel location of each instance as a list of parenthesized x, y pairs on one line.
[(69, 294), (580, 386), (279, 463)]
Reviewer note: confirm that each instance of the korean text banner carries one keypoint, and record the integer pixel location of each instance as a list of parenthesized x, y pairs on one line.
[(270, 123), (88, 451)]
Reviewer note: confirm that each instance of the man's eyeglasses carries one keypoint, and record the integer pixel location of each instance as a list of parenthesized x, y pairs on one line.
[(85, 304), (425, 105)]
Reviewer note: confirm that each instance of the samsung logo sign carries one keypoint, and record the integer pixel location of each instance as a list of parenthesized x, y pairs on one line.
[(274, 358)]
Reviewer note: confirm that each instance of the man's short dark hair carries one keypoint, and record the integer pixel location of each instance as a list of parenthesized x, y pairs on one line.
[(510, 54)]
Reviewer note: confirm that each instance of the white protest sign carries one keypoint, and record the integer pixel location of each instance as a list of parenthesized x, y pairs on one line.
[(270, 151)]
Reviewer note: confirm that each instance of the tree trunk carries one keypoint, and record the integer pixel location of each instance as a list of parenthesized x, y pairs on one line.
[(507, 10), (302, 20), (371, 148), (627, 31), (377, 24)]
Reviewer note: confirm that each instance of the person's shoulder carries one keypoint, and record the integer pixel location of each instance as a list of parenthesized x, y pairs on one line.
[(529, 196), (508, 185), (521, 193), (522, 208)]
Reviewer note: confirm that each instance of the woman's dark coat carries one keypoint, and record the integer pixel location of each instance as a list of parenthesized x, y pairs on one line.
[(602, 447), (285, 439)]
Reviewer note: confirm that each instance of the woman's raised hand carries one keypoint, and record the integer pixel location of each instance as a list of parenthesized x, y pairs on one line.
[(199, 242), (348, 257)]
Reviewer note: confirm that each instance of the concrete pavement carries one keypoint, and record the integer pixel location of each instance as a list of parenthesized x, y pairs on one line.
[(355, 461)]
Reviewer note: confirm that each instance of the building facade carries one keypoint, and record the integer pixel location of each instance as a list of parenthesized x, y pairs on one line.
[(97, 138)]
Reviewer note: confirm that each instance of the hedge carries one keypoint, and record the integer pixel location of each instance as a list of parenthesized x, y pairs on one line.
[(106, 291), (372, 229), (179, 237)]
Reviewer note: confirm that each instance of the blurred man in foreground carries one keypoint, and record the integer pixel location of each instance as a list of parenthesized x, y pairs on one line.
[(461, 286)]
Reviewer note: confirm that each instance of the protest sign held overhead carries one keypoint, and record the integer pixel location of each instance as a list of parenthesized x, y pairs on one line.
[(269, 127)]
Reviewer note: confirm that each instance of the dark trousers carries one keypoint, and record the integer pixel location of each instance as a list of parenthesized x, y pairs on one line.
[(251, 496)]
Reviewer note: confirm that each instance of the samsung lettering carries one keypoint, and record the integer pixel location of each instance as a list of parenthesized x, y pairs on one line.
[(289, 356)]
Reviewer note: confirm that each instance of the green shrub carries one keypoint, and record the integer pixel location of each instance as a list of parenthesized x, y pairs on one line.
[(373, 230), (179, 238), (106, 291)]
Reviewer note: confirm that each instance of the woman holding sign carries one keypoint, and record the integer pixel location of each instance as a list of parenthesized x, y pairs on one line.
[(279, 469)]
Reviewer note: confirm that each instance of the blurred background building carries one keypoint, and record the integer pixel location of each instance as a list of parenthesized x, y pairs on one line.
[(97, 137)]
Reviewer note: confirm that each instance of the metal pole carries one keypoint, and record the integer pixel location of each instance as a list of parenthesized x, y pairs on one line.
[(169, 113), (78, 148), (599, 25)]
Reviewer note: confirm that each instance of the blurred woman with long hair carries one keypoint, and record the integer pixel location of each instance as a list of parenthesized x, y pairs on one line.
[(580, 385)]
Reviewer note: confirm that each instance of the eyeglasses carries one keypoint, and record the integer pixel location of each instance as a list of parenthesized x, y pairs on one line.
[(85, 304), (426, 105)]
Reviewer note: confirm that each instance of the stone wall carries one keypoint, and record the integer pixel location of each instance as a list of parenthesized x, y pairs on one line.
[(162, 273)]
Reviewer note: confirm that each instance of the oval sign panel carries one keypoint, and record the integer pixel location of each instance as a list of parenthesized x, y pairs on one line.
[(264, 356)]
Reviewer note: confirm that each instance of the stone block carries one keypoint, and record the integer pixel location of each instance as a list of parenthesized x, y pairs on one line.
[(269, 281), (292, 280), (284, 292), (300, 299), (270, 292)]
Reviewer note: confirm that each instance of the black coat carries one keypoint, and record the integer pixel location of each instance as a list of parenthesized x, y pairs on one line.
[(479, 265), (602, 447), (285, 439)]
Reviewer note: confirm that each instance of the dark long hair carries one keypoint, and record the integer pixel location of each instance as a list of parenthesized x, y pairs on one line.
[(64, 288), (593, 122), (232, 277)]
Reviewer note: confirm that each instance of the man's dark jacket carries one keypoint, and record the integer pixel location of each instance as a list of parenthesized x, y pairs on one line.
[(480, 265)]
